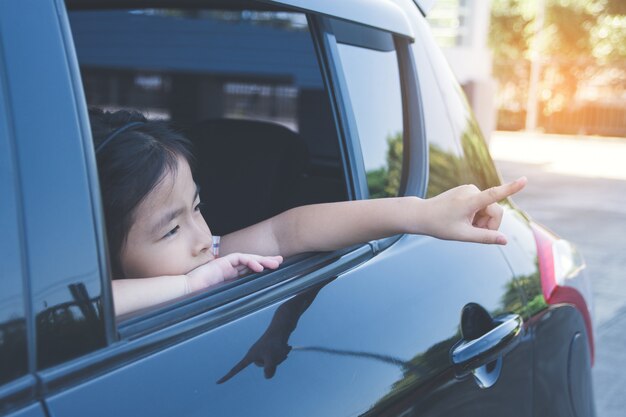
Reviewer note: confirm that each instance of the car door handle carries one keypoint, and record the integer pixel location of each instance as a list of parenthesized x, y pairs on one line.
[(471, 353), (483, 356)]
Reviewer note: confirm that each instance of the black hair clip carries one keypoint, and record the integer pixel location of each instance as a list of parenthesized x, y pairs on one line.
[(117, 132)]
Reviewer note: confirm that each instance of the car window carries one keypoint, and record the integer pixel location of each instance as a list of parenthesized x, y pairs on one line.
[(13, 342), (245, 86), (370, 65)]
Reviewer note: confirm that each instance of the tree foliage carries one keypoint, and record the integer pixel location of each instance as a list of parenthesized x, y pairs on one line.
[(615, 7), (577, 42)]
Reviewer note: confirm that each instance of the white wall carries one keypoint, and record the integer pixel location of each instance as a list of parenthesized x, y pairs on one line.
[(470, 58)]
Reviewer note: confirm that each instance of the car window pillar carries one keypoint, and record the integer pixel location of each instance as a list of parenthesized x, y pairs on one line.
[(18, 385), (415, 157), (351, 147)]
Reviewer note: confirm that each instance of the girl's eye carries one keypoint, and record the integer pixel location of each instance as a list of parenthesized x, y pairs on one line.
[(172, 232), (198, 207)]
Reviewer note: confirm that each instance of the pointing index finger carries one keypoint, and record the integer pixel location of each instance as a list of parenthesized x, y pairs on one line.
[(495, 194)]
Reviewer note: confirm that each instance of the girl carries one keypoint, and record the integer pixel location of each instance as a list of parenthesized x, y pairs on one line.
[(161, 246)]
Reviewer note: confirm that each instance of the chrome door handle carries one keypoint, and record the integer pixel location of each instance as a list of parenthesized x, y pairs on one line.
[(483, 356)]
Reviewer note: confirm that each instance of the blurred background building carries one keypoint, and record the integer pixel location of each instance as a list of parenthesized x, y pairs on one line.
[(556, 66), (461, 28)]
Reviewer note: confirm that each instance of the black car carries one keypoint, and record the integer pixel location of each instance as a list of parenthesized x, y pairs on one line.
[(298, 102)]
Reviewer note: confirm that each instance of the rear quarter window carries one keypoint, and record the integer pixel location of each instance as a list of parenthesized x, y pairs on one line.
[(370, 65)]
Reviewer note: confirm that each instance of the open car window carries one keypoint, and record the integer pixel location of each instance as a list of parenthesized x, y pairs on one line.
[(245, 86)]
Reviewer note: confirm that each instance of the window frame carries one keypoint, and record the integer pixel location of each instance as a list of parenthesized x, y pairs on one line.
[(350, 147), (415, 163), (299, 272), (414, 178), (212, 308)]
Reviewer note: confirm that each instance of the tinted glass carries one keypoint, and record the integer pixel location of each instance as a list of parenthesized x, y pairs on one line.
[(13, 346), (370, 67)]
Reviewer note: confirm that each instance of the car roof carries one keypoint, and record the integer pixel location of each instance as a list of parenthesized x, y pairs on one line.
[(382, 14)]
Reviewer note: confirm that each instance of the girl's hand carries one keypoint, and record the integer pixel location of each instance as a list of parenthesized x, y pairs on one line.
[(227, 267), (468, 214)]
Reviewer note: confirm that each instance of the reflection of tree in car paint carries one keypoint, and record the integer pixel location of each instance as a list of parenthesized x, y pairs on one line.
[(64, 331), (68, 330), (482, 171), (531, 286), (404, 394), (445, 169)]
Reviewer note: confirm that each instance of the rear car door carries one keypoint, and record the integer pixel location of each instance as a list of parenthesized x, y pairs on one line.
[(197, 357), (430, 281)]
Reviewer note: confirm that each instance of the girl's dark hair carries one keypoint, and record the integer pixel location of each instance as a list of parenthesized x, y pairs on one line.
[(130, 164)]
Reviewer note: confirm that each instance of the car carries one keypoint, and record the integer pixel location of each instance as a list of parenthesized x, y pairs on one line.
[(297, 102)]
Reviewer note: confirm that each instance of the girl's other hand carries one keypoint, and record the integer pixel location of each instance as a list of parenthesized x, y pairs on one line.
[(228, 267), (465, 213)]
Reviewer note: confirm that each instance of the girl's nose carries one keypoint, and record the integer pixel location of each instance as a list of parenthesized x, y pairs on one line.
[(203, 238), (203, 243)]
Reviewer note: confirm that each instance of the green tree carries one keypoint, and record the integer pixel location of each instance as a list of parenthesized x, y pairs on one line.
[(445, 170), (579, 38), (509, 39)]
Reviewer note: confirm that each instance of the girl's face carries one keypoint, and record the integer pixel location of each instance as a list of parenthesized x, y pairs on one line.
[(169, 235)]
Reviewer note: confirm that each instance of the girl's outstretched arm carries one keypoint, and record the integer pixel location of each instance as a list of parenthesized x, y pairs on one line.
[(463, 213)]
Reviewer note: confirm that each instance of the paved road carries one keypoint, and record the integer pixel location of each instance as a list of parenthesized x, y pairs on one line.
[(577, 187)]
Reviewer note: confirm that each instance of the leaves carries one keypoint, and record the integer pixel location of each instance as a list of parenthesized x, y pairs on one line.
[(578, 42)]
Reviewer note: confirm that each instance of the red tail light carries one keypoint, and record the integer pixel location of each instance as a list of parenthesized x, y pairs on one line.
[(562, 280)]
